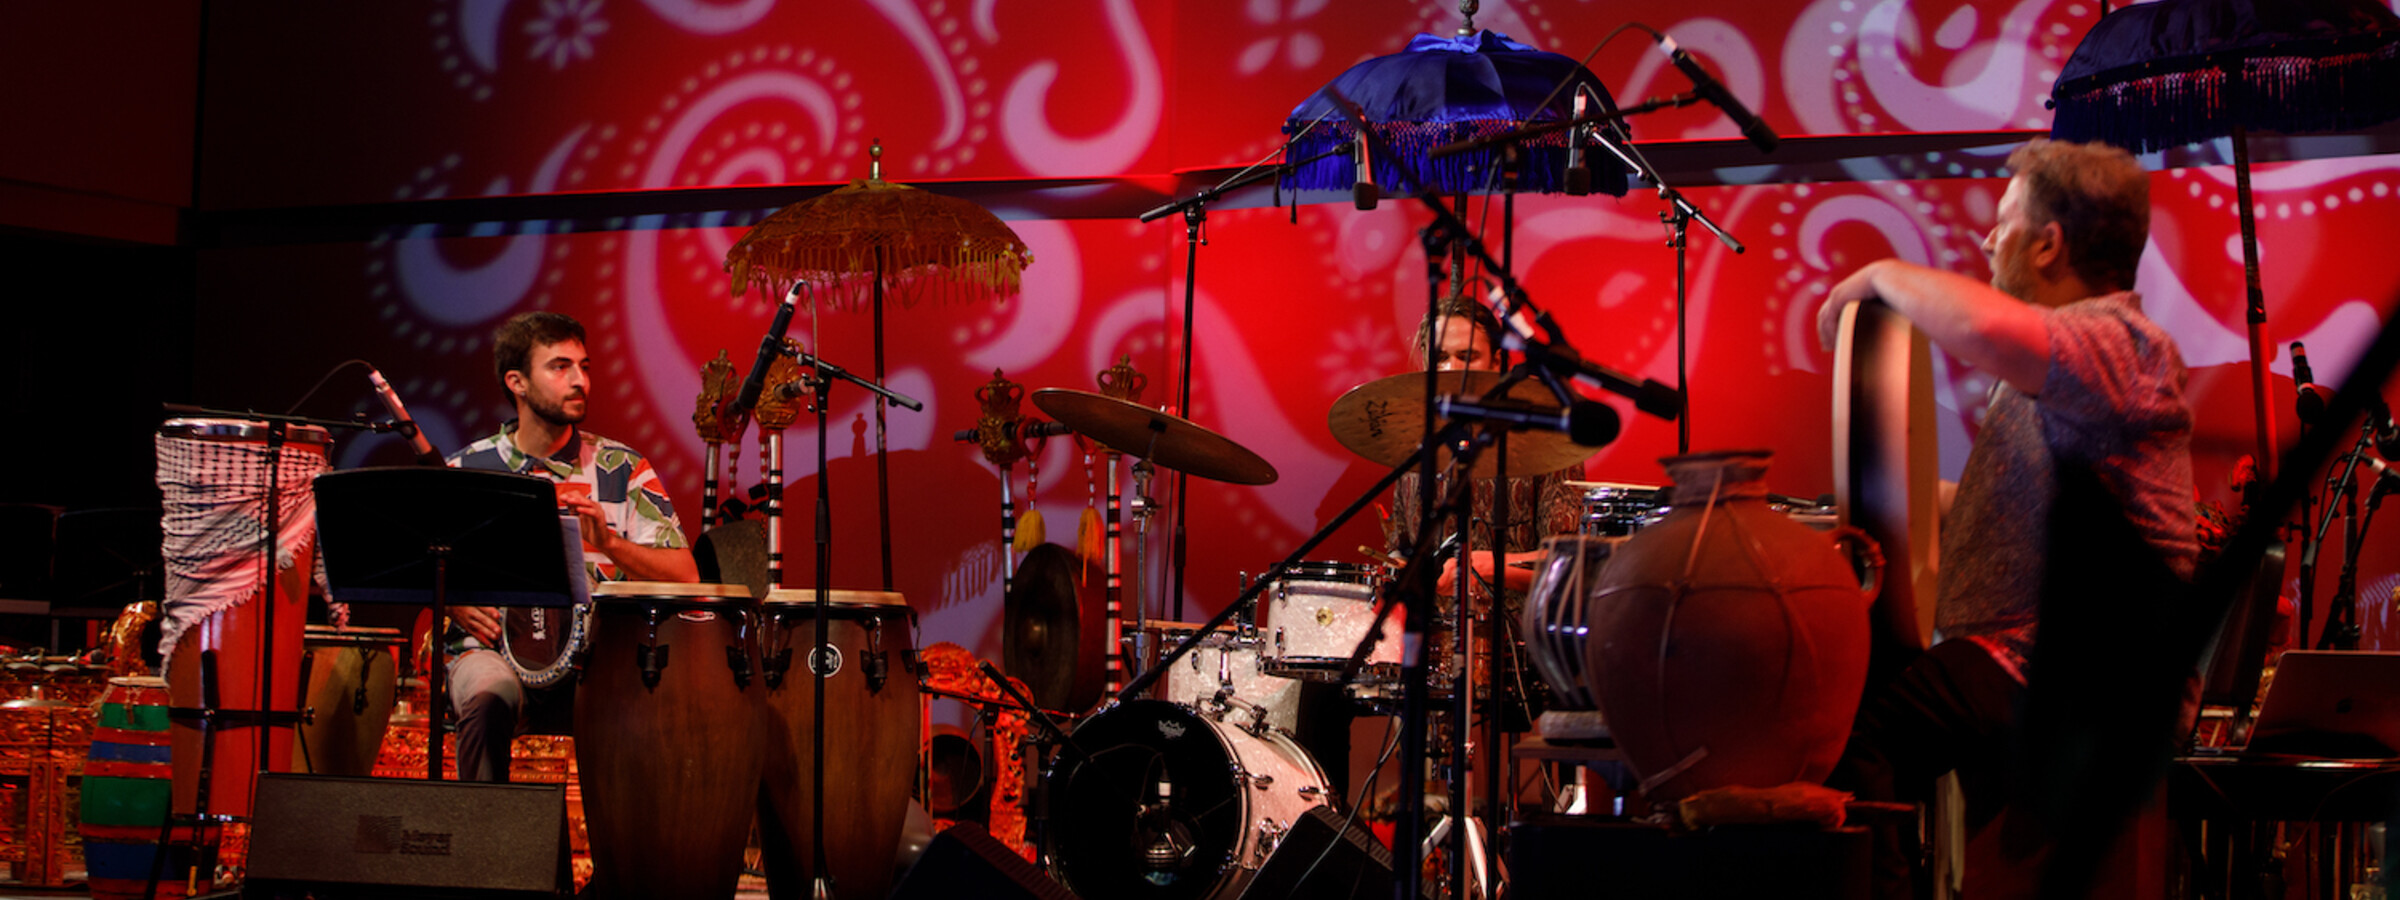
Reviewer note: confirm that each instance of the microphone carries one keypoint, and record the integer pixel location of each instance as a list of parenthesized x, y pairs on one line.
[(1363, 192), (747, 398), (1586, 422), (1713, 91), (2311, 398), (1579, 172), (2386, 480), (402, 423)]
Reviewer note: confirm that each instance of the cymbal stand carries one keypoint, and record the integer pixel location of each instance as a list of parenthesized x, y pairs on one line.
[(1195, 216), (1142, 507)]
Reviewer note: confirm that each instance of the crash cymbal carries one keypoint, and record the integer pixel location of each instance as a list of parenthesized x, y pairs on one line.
[(1167, 441), (1382, 420)]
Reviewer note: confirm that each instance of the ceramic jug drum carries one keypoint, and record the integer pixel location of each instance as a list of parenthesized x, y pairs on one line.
[(1728, 642)]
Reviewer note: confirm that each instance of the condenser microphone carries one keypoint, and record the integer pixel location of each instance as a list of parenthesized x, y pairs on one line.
[(1579, 171), (768, 347), (402, 423), (1713, 91), (2310, 399), (1586, 422), (1363, 192)]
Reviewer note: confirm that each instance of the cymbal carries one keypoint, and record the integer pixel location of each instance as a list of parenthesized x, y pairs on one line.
[(1165, 440), (1384, 419)]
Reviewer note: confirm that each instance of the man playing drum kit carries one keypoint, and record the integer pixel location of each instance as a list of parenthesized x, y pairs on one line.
[(2089, 398), (1460, 335), (629, 526)]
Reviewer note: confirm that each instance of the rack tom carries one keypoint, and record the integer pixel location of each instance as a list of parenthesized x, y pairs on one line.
[(1314, 614)]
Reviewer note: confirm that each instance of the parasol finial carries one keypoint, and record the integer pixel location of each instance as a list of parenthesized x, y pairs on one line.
[(1467, 8)]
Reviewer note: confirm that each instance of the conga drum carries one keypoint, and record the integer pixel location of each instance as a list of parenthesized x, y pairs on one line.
[(127, 778), (351, 677), (214, 476), (669, 735), (871, 730)]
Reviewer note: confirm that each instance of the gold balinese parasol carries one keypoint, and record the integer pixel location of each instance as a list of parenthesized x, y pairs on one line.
[(871, 237)]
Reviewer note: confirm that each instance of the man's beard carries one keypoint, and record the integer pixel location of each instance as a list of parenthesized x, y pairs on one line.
[(555, 412)]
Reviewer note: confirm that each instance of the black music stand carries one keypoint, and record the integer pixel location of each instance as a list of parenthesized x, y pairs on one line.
[(413, 534)]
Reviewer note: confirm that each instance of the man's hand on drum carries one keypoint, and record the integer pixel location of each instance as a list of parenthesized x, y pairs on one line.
[(1517, 576), (482, 622)]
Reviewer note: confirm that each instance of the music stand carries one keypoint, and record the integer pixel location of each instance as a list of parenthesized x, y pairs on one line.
[(413, 534)]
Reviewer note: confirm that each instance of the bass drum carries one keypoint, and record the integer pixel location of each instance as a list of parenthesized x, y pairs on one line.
[(1172, 805)]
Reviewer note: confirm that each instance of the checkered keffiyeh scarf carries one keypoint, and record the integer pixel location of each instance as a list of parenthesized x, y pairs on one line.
[(216, 514)]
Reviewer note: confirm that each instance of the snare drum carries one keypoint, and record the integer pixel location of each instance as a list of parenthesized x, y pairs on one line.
[(1611, 509), (1173, 804), (872, 721), (351, 678), (670, 734), (1229, 663), (1315, 614)]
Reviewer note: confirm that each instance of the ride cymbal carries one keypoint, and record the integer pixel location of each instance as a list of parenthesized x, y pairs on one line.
[(1384, 419), (1167, 441)]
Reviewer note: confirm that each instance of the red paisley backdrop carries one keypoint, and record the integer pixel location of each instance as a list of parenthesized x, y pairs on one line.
[(353, 105)]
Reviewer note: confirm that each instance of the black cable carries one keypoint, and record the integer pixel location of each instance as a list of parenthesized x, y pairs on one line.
[(321, 382), (1391, 742)]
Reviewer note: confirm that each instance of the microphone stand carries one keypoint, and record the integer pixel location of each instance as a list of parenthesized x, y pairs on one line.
[(262, 715), (1449, 227), (1677, 218), (823, 658), (1195, 214)]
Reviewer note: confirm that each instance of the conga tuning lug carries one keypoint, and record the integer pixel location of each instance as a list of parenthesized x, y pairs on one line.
[(739, 661), (651, 661)]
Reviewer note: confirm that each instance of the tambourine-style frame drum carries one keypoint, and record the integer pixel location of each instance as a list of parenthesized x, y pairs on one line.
[(213, 475), (872, 723), (670, 732), (1313, 615), (351, 678), (544, 643), (1173, 805), (1227, 662)]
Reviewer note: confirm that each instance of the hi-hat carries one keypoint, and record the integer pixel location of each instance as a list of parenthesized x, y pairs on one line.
[(1167, 441), (1384, 419)]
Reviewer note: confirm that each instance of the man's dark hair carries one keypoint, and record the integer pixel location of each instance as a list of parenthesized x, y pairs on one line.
[(2100, 199), (1455, 306), (514, 340)]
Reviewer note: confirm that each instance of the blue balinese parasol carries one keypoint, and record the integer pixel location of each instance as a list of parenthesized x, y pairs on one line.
[(2159, 75), (1440, 90)]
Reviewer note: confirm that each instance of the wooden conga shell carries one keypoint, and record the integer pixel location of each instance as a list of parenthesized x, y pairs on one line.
[(669, 761), (870, 746), (353, 683)]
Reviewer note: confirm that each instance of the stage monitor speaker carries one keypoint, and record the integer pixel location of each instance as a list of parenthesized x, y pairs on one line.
[(378, 837), (1319, 860), (967, 863)]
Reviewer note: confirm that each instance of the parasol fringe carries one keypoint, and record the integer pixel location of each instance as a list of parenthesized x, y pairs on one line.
[(2292, 94), (1412, 142)]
